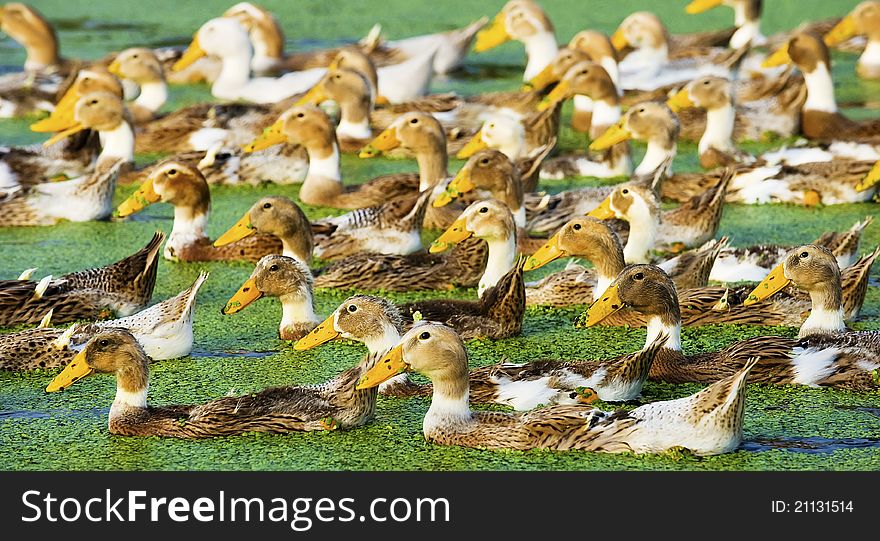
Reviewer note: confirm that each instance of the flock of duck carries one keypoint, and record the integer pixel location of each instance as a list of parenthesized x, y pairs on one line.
[(286, 118)]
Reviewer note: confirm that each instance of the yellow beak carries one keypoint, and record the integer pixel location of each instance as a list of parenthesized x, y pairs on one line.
[(315, 95), (699, 6), (456, 233), (271, 136), (245, 295), (322, 333), (561, 92), (73, 372), (603, 211), (607, 304), (871, 179), (64, 134), (613, 135), (460, 184), (774, 281), (381, 100), (841, 32), (242, 228), (62, 116), (192, 53), (139, 200), (115, 67), (388, 366), (473, 146), (778, 58), (618, 39), (681, 100), (542, 80), (493, 36), (545, 254), (387, 140)]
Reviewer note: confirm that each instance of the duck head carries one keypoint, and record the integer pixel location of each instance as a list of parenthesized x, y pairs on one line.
[(565, 58), (418, 132), (29, 28), (137, 64), (710, 92), (278, 216), (586, 79), (647, 121), (518, 20), (111, 351), (87, 81), (489, 219), (863, 20), (304, 125), (175, 182), (223, 37), (490, 171), (500, 132), (641, 30), (371, 320), (100, 111)]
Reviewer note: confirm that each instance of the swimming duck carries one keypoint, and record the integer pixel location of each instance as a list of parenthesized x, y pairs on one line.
[(709, 422), (288, 279), (863, 20), (820, 118), (524, 21), (310, 127), (121, 288), (648, 290), (279, 217), (184, 186), (491, 221), (592, 239), (164, 330), (335, 404)]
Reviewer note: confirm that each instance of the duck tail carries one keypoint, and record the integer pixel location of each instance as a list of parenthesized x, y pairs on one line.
[(854, 283)]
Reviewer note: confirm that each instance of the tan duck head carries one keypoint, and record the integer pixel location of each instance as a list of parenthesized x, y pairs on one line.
[(423, 135), (142, 67), (590, 239), (524, 21), (491, 221), (352, 91), (591, 80), (288, 279), (565, 58), (87, 81), (491, 174), (715, 95), (112, 351), (811, 56), (182, 185), (371, 320), (278, 216), (863, 20), (644, 34), (813, 269), (651, 122), (32, 31), (640, 206), (649, 291), (104, 113)]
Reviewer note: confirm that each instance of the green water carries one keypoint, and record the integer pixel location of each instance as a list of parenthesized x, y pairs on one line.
[(69, 430)]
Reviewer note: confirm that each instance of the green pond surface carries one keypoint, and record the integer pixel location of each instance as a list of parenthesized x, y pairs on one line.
[(786, 427)]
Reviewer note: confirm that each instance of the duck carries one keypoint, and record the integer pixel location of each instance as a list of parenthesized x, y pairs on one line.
[(183, 186), (32, 91), (708, 422), (121, 288), (747, 20), (142, 67), (288, 279), (649, 64), (335, 404), (647, 290), (863, 20), (492, 221), (164, 330), (594, 240), (820, 119), (524, 21), (311, 128), (277, 216), (592, 81)]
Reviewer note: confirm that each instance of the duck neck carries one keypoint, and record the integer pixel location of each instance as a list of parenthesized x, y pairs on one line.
[(235, 72), (502, 253), (41, 53), (383, 341), (188, 229), (324, 161), (449, 405), (827, 311), (433, 165), (649, 58), (608, 266), (354, 118), (117, 143), (820, 90), (512, 147), (153, 95), (719, 129), (297, 247), (132, 384), (871, 56), (656, 154), (606, 112), (747, 32), (541, 49), (613, 71), (296, 309), (668, 325), (643, 225)]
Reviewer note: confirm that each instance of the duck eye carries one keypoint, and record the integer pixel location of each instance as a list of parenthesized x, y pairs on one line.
[(104, 343), (300, 115), (414, 121), (273, 268), (484, 161), (705, 82), (624, 191), (134, 56), (425, 335), (484, 210), (93, 102), (223, 156), (576, 227), (804, 255), (642, 110), (267, 205), (352, 308), (338, 76), (172, 172), (639, 276)]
